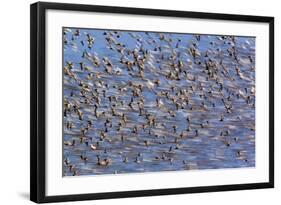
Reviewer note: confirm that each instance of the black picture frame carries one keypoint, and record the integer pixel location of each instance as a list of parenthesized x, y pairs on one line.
[(38, 101)]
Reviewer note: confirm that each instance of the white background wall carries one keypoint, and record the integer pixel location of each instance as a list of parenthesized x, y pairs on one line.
[(14, 101)]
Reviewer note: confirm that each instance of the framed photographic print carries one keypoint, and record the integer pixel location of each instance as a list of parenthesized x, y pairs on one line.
[(129, 102)]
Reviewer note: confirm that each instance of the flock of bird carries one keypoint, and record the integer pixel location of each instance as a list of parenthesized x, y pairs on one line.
[(150, 101)]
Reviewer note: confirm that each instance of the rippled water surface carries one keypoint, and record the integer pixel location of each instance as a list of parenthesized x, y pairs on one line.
[(146, 101)]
